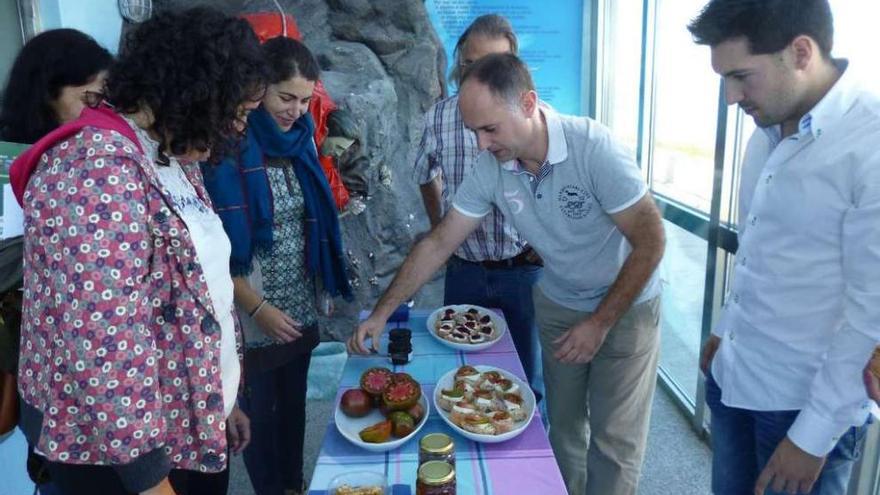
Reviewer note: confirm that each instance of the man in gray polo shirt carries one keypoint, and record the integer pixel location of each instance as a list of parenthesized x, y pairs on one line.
[(578, 198)]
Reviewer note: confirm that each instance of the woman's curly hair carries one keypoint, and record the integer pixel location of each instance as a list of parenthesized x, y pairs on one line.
[(192, 70)]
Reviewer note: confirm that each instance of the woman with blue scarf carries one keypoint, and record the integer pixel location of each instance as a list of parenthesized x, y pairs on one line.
[(278, 211)]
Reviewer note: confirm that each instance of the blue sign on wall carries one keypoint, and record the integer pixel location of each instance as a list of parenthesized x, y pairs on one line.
[(549, 40)]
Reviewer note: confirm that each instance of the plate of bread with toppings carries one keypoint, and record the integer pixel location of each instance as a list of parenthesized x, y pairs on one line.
[(466, 327), (484, 403)]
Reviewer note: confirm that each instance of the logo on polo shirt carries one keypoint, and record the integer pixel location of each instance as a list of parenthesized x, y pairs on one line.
[(575, 202), (516, 204)]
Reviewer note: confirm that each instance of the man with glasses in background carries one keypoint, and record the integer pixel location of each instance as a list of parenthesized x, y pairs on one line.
[(494, 267)]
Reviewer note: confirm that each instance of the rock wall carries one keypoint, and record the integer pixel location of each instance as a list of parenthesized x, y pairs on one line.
[(381, 60)]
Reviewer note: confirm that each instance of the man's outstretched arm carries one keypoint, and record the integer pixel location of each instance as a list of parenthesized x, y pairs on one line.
[(427, 256)]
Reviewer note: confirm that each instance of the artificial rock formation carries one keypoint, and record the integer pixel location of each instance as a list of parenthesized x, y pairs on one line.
[(381, 60)]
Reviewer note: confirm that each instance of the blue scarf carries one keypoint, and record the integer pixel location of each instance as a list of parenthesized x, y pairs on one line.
[(240, 191)]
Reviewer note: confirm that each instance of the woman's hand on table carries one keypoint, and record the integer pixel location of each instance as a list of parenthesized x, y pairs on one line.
[(275, 323), (372, 327)]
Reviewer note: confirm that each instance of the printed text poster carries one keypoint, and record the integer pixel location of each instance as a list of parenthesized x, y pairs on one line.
[(549, 35)]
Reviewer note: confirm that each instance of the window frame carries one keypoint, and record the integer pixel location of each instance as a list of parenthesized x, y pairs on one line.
[(720, 234)]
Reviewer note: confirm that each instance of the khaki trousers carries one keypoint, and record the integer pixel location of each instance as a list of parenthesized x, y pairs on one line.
[(599, 411)]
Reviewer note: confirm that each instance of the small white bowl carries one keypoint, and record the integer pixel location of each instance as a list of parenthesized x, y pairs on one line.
[(358, 479), (447, 381), (497, 321), (350, 427)]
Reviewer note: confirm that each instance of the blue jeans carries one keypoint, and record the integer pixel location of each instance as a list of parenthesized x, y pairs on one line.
[(510, 290), (275, 402), (743, 441)]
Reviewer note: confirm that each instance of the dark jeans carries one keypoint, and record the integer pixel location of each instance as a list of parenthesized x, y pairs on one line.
[(71, 479), (510, 290), (275, 402), (743, 441)]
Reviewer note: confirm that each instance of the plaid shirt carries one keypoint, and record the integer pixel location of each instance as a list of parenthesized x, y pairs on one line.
[(448, 147)]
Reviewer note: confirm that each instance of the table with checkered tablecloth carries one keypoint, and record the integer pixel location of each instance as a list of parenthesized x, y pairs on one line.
[(524, 464)]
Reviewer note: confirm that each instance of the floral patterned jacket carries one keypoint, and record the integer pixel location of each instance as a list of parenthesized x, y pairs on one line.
[(120, 349)]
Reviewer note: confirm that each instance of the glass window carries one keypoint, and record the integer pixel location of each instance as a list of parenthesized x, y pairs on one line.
[(739, 130), (729, 265), (10, 38), (685, 109), (855, 23), (622, 72), (684, 272)]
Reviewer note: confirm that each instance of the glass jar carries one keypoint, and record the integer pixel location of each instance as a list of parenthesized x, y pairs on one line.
[(437, 447), (436, 478)]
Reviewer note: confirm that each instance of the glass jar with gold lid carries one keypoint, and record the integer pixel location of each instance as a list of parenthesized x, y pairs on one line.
[(436, 447), (436, 478)]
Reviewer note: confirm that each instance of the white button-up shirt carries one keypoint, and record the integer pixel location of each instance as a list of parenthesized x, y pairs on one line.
[(803, 313)]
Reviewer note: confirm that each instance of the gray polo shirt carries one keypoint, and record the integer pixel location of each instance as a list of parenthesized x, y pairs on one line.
[(565, 211)]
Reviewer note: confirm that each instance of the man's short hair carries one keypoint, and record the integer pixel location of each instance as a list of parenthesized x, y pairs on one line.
[(504, 73), (767, 25), (492, 26)]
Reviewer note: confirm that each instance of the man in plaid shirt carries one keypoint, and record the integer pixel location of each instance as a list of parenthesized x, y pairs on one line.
[(494, 267)]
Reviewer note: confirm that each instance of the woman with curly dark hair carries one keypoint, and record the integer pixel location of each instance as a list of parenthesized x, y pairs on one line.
[(128, 368), (55, 75), (277, 208)]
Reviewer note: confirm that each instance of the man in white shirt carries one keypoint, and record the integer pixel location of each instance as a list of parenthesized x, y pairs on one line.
[(784, 364)]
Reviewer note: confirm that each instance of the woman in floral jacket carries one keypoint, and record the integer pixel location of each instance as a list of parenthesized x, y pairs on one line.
[(128, 365)]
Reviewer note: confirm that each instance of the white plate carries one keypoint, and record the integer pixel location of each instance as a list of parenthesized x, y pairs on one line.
[(350, 427), (497, 321), (446, 382)]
